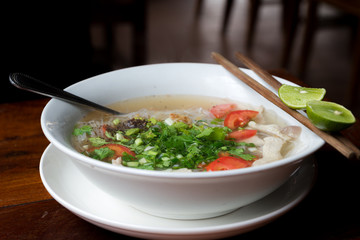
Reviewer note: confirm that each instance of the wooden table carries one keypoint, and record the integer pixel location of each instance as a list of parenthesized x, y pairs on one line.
[(27, 211)]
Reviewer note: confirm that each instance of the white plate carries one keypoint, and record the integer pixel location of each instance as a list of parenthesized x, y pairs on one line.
[(72, 190)]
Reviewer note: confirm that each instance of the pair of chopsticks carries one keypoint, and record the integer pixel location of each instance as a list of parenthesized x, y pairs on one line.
[(340, 143)]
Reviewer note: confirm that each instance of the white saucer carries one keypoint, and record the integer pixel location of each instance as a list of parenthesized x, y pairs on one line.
[(72, 190)]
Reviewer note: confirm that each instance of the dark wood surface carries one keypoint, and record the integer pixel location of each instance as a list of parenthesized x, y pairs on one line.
[(27, 211)]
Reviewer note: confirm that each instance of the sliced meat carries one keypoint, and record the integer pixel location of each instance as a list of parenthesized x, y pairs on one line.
[(271, 150)]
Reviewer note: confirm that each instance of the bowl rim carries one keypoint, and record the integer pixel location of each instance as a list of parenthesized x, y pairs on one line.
[(164, 174)]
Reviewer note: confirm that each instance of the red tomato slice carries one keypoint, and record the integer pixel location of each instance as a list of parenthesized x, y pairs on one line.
[(220, 111), (242, 134), (227, 163), (118, 149), (239, 118)]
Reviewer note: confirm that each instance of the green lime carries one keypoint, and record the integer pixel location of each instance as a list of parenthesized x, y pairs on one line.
[(297, 97), (329, 116)]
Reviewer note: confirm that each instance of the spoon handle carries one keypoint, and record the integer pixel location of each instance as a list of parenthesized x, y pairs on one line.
[(31, 84)]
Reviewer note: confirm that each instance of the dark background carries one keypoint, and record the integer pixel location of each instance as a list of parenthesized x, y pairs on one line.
[(49, 40), (58, 42)]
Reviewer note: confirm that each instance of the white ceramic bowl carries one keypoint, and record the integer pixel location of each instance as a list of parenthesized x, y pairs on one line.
[(168, 194)]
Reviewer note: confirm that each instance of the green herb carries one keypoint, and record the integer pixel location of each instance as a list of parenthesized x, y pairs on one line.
[(102, 153), (215, 133), (108, 135), (84, 129), (240, 153), (179, 145), (217, 121)]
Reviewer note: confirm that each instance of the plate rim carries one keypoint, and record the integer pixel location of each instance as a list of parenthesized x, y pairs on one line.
[(121, 227)]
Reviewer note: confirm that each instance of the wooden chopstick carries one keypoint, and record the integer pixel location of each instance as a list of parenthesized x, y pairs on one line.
[(338, 145), (268, 78)]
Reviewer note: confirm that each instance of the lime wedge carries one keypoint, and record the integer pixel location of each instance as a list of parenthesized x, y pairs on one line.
[(329, 116), (297, 97)]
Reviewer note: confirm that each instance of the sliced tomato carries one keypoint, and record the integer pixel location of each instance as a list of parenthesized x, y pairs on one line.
[(242, 134), (239, 118), (221, 110), (118, 149), (227, 163)]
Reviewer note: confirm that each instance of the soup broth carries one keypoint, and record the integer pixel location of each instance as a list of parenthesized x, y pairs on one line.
[(185, 133), (164, 103)]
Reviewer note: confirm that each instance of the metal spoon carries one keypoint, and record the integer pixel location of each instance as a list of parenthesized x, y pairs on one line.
[(31, 84)]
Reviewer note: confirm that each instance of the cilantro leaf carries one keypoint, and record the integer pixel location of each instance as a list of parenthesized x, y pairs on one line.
[(102, 153), (84, 129), (205, 133), (240, 153)]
